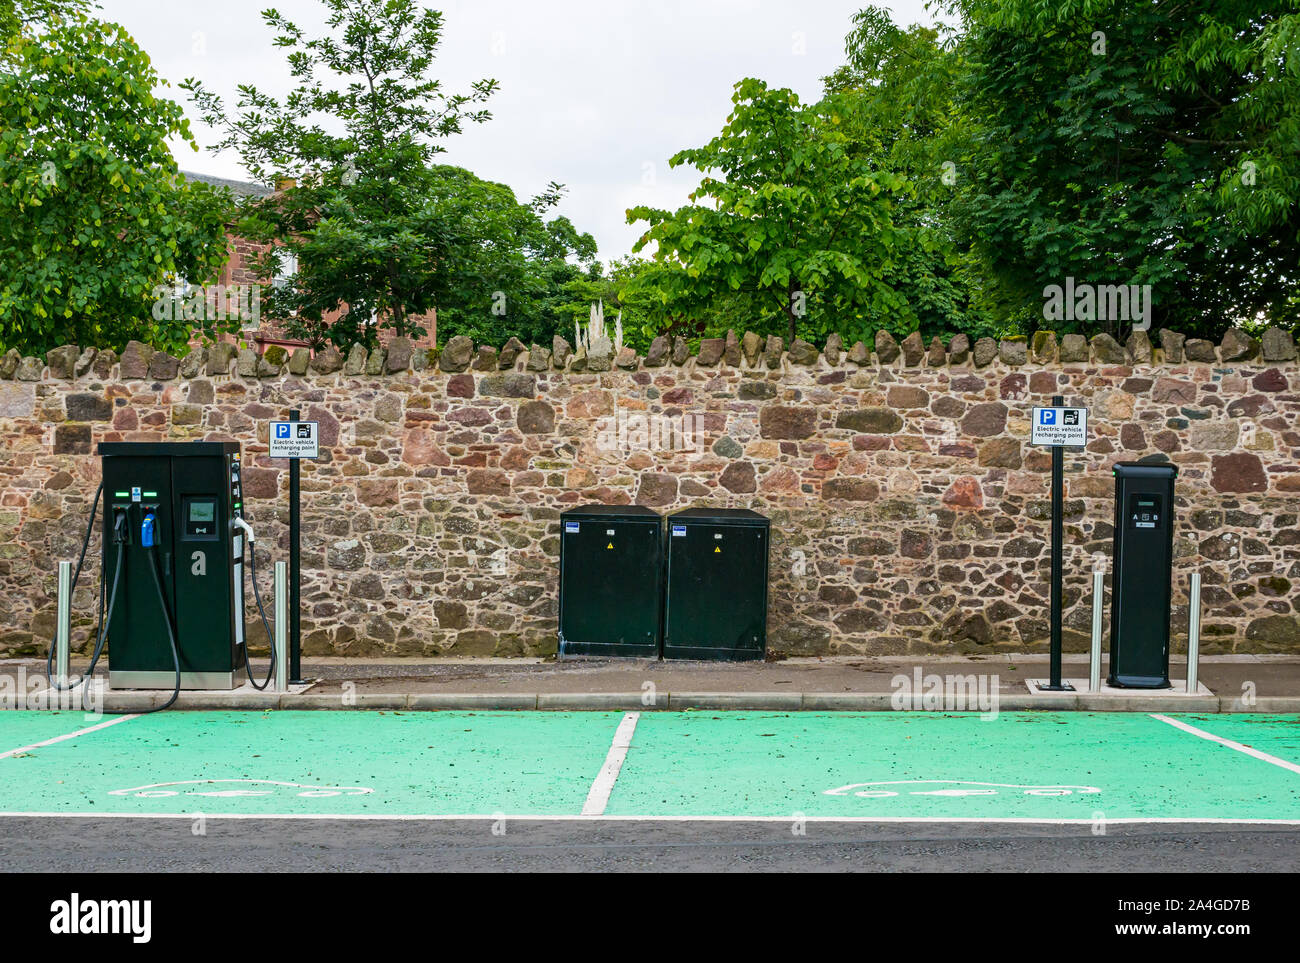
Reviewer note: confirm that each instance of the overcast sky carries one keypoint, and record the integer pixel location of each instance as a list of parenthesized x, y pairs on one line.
[(596, 95)]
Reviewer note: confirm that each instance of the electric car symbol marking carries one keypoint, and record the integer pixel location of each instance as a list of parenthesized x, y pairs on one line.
[(158, 789), (954, 787)]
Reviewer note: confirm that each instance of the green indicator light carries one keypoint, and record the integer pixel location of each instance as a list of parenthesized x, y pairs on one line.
[(150, 494), (121, 494)]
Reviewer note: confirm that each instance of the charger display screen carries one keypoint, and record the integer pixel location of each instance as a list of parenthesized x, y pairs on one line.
[(1145, 511), (200, 517)]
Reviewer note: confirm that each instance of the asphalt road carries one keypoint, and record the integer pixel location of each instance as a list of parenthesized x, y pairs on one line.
[(90, 844)]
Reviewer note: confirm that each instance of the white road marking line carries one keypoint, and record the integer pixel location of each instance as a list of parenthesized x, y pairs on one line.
[(524, 817), (71, 735), (598, 797), (1228, 742)]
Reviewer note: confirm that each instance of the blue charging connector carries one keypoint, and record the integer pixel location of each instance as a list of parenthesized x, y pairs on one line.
[(146, 530)]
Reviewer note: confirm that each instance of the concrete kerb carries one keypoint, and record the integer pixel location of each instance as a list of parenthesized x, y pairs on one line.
[(613, 701), (847, 701), (478, 700), (762, 701), (326, 694), (682, 701)]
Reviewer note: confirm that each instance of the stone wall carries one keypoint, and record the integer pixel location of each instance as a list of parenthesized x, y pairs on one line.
[(909, 512)]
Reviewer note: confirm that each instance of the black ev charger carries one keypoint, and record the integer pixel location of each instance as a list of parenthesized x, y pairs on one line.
[(196, 486), (1143, 575)]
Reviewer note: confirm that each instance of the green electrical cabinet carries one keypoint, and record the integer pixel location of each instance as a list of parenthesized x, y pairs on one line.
[(716, 584), (611, 581)]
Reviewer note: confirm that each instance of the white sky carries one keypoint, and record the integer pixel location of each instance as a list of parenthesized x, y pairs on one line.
[(596, 95)]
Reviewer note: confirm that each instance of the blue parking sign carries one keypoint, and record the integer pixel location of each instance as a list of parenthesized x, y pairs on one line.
[(1048, 416), (282, 430)]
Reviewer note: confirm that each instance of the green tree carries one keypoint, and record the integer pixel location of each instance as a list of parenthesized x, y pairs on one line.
[(1121, 143), (501, 268), (20, 17), (897, 86), (794, 225), (94, 216), (357, 135), (615, 287)]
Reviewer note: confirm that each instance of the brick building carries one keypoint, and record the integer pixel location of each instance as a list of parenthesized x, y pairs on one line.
[(241, 268)]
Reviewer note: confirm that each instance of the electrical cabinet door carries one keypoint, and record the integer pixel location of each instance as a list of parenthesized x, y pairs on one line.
[(206, 617), (716, 585), (611, 581)]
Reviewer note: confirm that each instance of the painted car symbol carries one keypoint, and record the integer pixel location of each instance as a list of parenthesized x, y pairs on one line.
[(251, 787), (950, 787)]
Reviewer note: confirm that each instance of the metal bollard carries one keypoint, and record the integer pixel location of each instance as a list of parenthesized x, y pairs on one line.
[(63, 627), (1098, 593), (1194, 634), (281, 627)]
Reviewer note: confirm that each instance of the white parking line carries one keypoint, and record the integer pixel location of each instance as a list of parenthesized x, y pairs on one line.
[(598, 797), (1228, 742), (71, 735)]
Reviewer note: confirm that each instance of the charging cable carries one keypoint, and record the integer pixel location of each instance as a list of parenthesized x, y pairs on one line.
[(101, 629), (257, 596), (147, 532), (148, 542)]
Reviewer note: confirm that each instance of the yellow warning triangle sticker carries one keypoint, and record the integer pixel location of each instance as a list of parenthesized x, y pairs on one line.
[(610, 545), (717, 550)]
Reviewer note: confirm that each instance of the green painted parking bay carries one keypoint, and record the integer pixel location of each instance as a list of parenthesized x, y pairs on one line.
[(677, 765), (23, 728), (314, 763), (1032, 765), (1277, 735)]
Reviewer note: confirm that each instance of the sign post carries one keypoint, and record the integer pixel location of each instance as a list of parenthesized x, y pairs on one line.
[(294, 440), (1058, 427)]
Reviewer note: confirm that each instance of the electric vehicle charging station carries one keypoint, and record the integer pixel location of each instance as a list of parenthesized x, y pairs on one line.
[(176, 509), (174, 541), (1143, 575)]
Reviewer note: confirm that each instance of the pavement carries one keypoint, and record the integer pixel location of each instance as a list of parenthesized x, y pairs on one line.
[(1229, 683)]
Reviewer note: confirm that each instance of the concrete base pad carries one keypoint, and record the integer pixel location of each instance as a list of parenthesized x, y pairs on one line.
[(135, 700), (1178, 690)]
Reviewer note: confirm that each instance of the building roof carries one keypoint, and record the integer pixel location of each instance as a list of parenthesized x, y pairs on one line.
[(241, 188)]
